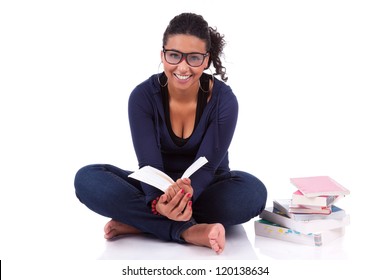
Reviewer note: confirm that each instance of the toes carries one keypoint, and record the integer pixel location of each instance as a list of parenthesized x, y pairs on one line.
[(109, 235), (215, 247), (107, 228)]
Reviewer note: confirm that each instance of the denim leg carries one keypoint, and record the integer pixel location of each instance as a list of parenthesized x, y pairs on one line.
[(233, 198), (108, 191)]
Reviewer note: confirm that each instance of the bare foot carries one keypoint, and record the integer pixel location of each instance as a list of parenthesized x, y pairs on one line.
[(209, 235), (114, 228)]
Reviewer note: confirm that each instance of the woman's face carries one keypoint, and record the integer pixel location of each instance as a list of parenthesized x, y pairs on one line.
[(183, 76)]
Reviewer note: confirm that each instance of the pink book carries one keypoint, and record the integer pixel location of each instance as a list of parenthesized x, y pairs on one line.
[(319, 185)]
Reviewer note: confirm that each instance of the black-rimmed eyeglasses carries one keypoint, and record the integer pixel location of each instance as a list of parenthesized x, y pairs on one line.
[(193, 59)]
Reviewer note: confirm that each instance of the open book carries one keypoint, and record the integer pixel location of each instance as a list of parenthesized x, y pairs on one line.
[(159, 179)]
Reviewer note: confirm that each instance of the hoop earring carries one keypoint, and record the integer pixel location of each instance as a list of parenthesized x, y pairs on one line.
[(212, 80), (158, 76)]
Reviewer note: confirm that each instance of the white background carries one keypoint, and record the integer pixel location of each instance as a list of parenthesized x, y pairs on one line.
[(312, 79)]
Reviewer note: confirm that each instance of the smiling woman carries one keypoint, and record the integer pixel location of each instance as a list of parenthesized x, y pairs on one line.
[(176, 117)]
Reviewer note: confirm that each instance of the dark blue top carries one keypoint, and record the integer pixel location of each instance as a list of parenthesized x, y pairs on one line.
[(211, 138)]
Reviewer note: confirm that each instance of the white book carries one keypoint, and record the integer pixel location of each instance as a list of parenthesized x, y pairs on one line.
[(159, 179), (272, 230), (323, 200)]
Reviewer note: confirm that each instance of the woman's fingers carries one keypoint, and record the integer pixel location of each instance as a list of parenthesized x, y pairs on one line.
[(174, 202), (173, 190), (185, 184), (187, 213), (183, 210), (179, 208)]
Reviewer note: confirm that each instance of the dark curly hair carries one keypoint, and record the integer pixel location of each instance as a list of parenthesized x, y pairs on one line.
[(195, 25)]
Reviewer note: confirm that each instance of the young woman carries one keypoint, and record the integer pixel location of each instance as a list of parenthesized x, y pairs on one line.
[(176, 117)]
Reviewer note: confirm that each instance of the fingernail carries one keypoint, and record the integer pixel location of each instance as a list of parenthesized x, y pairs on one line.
[(190, 203), (188, 195), (182, 191)]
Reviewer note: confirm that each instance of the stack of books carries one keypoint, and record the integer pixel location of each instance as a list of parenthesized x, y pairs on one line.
[(310, 216)]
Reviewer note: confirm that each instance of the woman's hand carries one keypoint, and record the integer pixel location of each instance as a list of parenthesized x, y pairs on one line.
[(181, 184), (179, 208)]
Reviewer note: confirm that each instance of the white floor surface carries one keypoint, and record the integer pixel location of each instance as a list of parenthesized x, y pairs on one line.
[(241, 244)]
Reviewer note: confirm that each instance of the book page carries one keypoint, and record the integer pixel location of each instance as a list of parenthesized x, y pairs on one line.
[(153, 177), (194, 167), (159, 179)]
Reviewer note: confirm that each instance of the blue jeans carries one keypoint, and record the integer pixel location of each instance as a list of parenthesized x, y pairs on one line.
[(232, 198)]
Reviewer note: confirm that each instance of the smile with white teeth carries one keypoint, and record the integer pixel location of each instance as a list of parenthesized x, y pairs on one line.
[(182, 77)]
